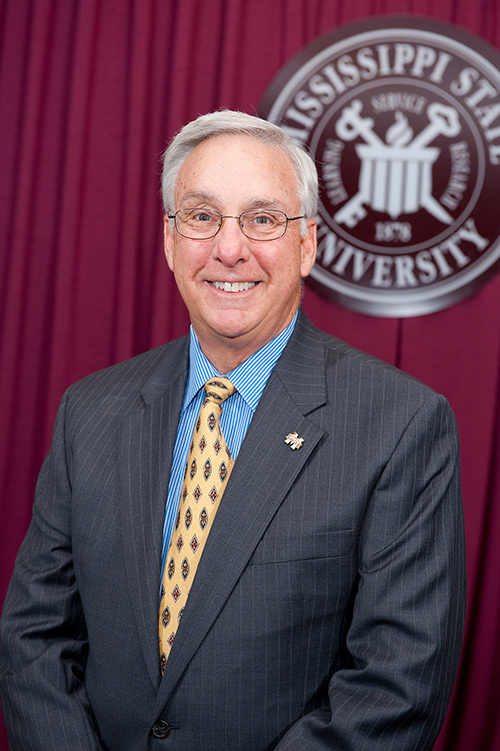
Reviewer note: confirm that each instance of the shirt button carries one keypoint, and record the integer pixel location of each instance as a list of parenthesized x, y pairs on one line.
[(160, 729)]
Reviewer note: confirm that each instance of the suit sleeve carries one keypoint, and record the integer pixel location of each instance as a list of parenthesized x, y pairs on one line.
[(43, 634), (407, 624)]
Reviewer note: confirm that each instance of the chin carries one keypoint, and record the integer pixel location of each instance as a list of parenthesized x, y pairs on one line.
[(231, 332), (231, 323)]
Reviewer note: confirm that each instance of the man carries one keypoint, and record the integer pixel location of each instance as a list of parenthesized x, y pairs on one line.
[(327, 608)]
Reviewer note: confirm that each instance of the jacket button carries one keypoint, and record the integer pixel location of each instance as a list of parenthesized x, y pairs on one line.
[(160, 729)]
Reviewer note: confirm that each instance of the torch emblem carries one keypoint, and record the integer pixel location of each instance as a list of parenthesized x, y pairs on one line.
[(396, 176)]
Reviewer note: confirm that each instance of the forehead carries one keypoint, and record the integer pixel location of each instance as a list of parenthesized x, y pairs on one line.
[(238, 169)]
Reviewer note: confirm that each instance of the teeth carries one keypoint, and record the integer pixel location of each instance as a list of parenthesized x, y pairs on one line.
[(236, 287)]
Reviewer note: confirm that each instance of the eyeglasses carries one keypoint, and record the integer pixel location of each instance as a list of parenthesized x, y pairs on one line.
[(258, 224)]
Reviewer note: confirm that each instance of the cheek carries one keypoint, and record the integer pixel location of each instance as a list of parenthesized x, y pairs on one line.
[(290, 267), (187, 268), (179, 258)]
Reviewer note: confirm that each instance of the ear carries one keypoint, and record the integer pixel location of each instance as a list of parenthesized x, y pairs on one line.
[(168, 243), (308, 245)]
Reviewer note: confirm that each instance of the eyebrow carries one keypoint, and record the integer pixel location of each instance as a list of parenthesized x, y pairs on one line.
[(201, 196), (264, 203)]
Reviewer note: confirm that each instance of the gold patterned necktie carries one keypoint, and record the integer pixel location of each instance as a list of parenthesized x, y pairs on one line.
[(209, 464)]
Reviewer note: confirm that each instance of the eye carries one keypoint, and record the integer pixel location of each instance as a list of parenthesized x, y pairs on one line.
[(262, 219), (201, 216)]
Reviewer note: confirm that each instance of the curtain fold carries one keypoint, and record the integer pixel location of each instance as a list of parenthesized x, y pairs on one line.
[(90, 92)]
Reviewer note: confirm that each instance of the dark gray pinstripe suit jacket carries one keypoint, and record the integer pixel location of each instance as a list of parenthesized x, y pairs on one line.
[(327, 610)]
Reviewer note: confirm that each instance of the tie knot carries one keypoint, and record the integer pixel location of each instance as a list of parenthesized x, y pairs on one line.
[(219, 389)]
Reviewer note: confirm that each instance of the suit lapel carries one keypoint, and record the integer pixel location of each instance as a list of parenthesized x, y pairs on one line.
[(265, 470), (147, 440)]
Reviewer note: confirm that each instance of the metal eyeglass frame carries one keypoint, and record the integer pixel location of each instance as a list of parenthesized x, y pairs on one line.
[(232, 216)]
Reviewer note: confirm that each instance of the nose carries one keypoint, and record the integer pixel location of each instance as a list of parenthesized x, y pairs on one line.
[(231, 245)]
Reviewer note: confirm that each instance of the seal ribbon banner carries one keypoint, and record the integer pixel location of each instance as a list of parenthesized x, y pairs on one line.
[(402, 115)]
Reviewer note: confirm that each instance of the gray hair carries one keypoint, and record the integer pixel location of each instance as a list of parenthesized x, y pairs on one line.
[(239, 123)]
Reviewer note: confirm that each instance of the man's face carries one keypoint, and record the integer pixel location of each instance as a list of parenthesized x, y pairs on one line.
[(231, 174)]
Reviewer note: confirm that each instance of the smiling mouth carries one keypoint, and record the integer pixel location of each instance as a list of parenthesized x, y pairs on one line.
[(234, 286)]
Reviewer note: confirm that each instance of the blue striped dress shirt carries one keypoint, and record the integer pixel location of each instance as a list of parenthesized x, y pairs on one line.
[(249, 378)]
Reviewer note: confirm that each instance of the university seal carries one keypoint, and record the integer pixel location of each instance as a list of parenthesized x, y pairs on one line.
[(402, 116)]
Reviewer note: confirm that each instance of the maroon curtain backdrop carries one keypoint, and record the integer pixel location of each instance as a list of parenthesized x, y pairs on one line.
[(90, 90)]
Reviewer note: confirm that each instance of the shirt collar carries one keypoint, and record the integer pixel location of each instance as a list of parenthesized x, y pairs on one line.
[(249, 378)]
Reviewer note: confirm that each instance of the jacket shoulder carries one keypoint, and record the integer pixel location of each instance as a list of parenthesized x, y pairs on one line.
[(354, 370), (119, 388), (317, 367)]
